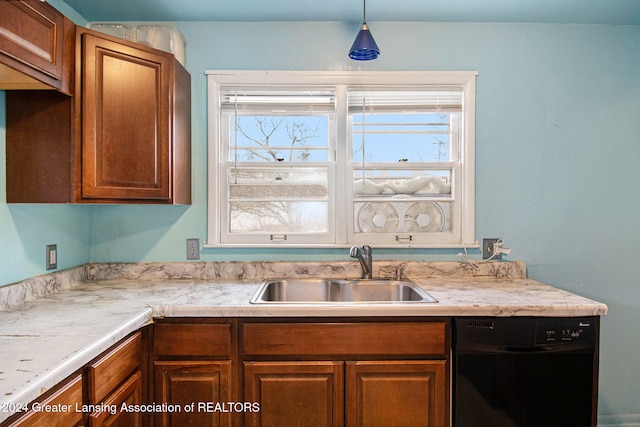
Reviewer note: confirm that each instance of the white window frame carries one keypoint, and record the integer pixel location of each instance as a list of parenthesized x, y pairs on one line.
[(463, 221)]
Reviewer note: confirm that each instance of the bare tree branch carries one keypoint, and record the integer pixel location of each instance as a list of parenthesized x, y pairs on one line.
[(265, 129)]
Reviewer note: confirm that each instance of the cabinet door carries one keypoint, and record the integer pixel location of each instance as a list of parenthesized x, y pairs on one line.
[(31, 38), (125, 121), (201, 383), (396, 393), (130, 393), (295, 393)]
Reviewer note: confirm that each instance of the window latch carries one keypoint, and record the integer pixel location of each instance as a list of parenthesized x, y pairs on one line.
[(282, 237)]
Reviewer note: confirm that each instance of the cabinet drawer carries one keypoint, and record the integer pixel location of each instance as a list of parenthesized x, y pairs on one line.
[(129, 393), (65, 399), (192, 339), (113, 368), (344, 339)]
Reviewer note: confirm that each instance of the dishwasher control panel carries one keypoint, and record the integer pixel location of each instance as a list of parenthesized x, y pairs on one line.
[(564, 330), (514, 333)]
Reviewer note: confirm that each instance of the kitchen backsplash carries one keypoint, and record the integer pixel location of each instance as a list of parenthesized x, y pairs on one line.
[(40, 286)]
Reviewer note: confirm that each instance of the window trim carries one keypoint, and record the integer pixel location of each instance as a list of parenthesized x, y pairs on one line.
[(465, 79)]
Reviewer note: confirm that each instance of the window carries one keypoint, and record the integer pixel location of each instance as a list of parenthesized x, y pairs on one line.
[(278, 164), (334, 159)]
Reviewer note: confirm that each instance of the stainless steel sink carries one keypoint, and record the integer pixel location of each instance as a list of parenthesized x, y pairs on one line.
[(339, 291)]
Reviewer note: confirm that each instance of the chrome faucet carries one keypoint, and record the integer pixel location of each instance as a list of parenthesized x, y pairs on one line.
[(366, 259)]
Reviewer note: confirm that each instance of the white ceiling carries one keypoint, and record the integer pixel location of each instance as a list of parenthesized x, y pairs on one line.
[(626, 12)]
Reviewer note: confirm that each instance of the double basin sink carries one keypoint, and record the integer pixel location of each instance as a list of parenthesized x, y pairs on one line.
[(339, 291)]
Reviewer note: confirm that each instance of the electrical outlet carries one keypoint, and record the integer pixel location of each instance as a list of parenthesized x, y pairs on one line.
[(52, 257), (488, 249), (193, 248)]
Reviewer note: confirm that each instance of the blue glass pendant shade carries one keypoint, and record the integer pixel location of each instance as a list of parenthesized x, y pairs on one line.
[(364, 48)]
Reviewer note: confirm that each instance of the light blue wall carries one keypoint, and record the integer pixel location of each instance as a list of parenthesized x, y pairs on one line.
[(558, 155), (558, 151), (25, 230)]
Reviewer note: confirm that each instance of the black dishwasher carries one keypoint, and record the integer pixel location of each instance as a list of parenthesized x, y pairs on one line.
[(525, 372)]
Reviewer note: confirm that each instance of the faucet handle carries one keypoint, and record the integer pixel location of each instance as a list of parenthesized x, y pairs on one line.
[(354, 252)]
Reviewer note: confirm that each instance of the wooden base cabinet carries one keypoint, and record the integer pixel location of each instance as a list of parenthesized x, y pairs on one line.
[(94, 396), (193, 372), (347, 373), (377, 393), (263, 372)]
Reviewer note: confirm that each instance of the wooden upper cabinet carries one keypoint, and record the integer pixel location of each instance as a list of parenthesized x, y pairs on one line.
[(125, 137), (36, 46), (127, 95)]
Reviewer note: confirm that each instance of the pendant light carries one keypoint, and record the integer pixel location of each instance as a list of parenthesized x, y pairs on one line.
[(364, 47)]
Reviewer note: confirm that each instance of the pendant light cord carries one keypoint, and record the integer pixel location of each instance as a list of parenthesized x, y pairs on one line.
[(364, 11)]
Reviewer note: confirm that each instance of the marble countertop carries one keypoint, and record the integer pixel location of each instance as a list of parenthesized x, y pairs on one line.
[(44, 340)]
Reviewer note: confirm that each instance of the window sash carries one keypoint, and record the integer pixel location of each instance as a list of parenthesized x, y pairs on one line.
[(276, 237), (277, 199)]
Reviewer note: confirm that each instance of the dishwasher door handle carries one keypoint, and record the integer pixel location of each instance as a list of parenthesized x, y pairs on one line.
[(476, 348), (533, 349)]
